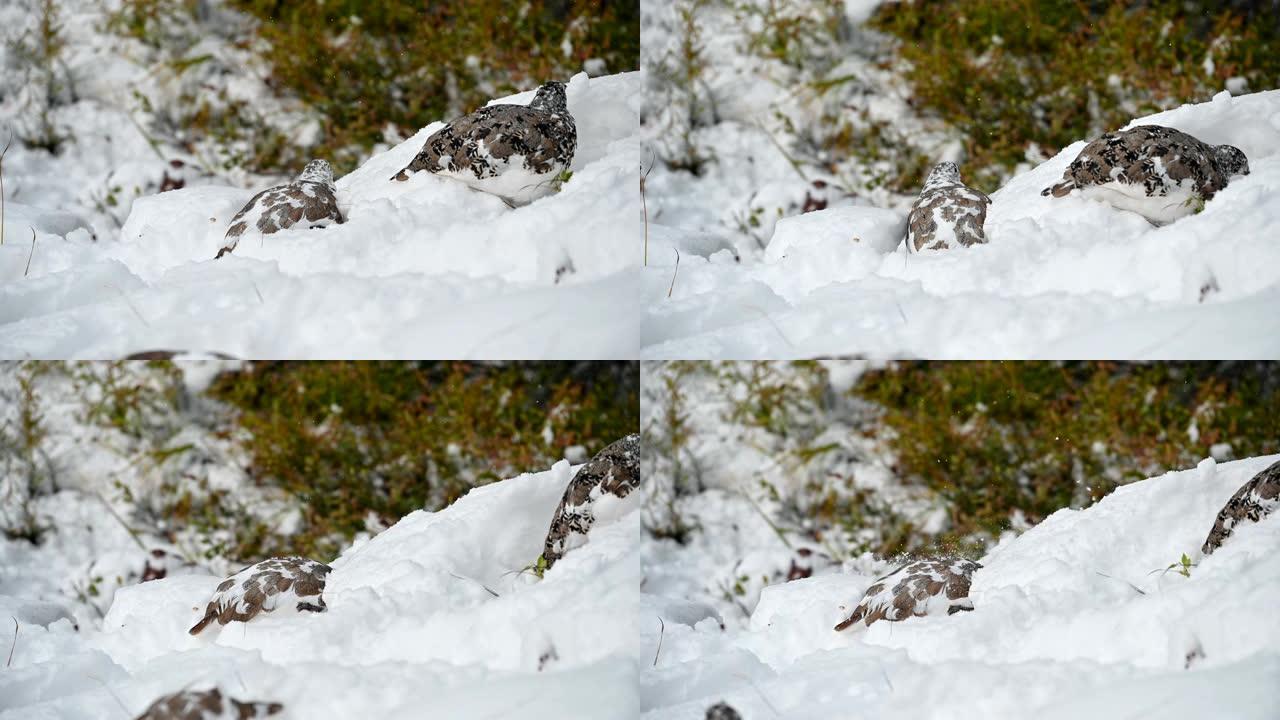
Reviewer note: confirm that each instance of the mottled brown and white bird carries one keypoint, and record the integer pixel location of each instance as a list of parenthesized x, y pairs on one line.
[(722, 711), (206, 705), (513, 151), (600, 492), (290, 582), (1253, 501), (924, 587), (1158, 172), (948, 212), (310, 200)]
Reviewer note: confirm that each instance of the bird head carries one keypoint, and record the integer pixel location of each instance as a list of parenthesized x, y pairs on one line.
[(944, 173), (318, 171), (1231, 160), (551, 97)]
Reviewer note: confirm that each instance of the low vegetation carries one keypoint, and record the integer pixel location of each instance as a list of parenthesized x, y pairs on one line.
[(365, 67), (995, 446), (1020, 439), (1015, 75), (362, 444)]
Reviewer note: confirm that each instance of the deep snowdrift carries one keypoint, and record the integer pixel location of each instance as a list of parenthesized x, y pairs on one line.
[(1060, 278), (1070, 621), (426, 268), (414, 628)]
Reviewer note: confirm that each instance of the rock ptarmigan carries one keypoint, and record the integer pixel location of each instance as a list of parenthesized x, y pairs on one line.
[(311, 199), (1253, 501), (924, 587), (513, 151), (206, 705), (1158, 172), (598, 493), (948, 212), (292, 582), (722, 711)]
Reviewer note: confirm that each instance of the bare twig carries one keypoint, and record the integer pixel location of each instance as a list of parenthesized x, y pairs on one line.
[(127, 712), (486, 587), (662, 629), (130, 304), (30, 254), (132, 533), (760, 693), (777, 530), (9, 662), (776, 329), (644, 206), (673, 275), (2, 154), (1126, 582)]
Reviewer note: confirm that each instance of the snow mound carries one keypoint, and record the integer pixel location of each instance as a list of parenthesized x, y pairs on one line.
[(1076, 617), (1059, 277), (424, 268), (431, 618)]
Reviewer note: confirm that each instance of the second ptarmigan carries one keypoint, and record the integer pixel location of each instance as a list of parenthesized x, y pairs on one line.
[(517, 152)]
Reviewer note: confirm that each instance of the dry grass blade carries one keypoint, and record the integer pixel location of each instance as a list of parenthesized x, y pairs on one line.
[(644, 205), (673, 275), (662, 629), (2, 154), (9, 662), (30, 254)]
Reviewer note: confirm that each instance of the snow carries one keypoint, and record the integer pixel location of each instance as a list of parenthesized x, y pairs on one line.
[(436, 608), (735, 270), (1076, 617), (424, 268)]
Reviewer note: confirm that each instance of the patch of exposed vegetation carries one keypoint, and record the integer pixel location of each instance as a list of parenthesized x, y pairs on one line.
[(1003, 439), (360, 444), (1013, 74)]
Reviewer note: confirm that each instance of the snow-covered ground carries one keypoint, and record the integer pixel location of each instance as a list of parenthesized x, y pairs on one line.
[(1077, 617), (423, 269), (439, 614), (736, 271), (433, 617)]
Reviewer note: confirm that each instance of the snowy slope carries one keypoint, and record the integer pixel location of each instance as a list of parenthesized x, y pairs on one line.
[(431, 618), (1060, 278), (1070, 621), (422, 269)]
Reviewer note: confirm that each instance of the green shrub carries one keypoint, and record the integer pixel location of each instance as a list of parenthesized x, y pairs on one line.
[(995, 438), (355, 440), (365, 65), (1008, 73)]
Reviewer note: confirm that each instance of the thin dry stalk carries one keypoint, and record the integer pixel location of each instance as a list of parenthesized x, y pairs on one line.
[(30, 254), (673, 275), (2, 154)]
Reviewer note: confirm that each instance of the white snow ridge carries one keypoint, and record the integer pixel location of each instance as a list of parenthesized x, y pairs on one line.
[(1079, 617), (432, 618), (424, 269), (1057, 277)]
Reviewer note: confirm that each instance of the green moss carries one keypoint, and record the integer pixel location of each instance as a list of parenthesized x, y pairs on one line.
[(1008, 73), (996, 438)]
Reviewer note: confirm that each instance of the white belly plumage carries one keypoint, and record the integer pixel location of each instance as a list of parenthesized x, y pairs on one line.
[(1182, 199)]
